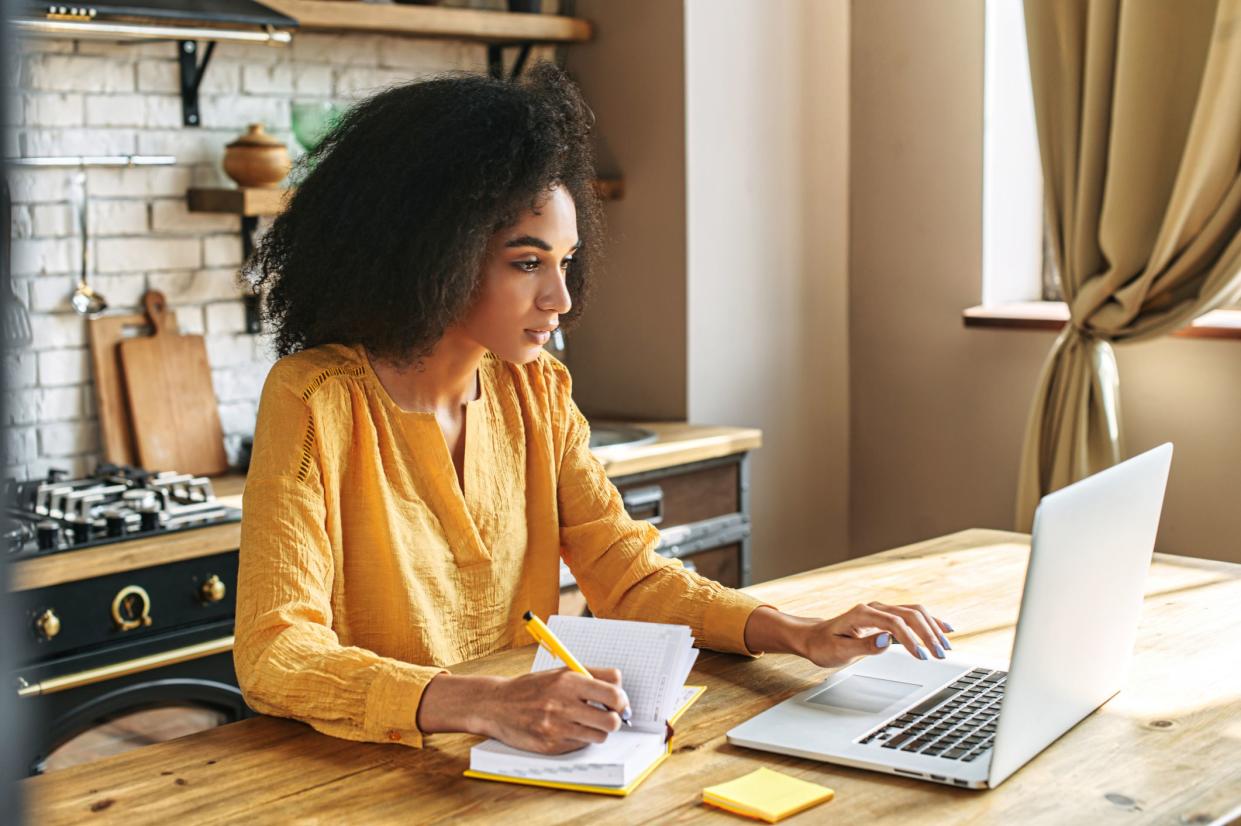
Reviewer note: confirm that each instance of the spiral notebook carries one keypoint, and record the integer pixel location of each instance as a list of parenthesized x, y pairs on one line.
[(654, 661)]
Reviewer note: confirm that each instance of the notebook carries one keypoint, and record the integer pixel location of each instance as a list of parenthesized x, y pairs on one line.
[(654, 661), (766, 795)]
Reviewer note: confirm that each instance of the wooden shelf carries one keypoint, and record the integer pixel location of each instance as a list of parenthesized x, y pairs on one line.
[(247, 201), (252, 202), (432, 21), (1053, 315)]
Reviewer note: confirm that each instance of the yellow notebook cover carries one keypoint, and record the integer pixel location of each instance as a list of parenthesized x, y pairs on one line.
[(766, 795), (619, 791)]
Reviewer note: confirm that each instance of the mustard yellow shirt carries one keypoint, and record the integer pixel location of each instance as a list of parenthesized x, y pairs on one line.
[(365, 568)]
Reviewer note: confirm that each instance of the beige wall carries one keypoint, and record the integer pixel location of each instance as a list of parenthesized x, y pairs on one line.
[(938, 411), (767, 149), (628, 355), (724, 300)]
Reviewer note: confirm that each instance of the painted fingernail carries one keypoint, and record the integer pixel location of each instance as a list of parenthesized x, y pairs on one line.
[(944, 640), (939, 652), (948, 625), (883, 640), (921, 653)]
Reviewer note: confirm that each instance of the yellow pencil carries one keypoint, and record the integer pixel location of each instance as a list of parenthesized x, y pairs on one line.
[(544, 636)]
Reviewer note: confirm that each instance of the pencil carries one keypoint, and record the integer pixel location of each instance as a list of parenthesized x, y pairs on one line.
[(544, 636)]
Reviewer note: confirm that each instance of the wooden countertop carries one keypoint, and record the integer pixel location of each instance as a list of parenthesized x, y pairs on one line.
[(1162, 750), (679, 443)]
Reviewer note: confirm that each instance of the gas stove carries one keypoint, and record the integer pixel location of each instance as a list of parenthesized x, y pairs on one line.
[(114, 504)]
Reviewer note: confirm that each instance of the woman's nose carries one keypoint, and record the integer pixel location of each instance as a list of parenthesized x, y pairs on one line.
[(555, 298)]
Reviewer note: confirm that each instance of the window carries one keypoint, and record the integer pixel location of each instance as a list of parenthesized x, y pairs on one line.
[(1020, 287), (1012, 236)]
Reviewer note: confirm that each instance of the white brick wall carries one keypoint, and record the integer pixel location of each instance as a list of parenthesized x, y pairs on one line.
[(98, 98)]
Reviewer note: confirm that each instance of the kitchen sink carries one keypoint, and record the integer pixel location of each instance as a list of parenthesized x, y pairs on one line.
[(604, 435)]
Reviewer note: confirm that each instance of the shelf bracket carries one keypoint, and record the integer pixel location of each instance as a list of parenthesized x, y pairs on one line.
[(252, 302), (249, 226), (495, 60), (191, 76)]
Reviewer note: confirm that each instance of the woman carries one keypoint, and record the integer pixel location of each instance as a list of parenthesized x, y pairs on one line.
[(419, 466)]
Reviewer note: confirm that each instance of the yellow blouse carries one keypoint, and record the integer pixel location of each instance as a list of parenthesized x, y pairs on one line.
[(365, 568)]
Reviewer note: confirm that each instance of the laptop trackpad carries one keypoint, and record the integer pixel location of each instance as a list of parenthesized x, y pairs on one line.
[(868, 694)]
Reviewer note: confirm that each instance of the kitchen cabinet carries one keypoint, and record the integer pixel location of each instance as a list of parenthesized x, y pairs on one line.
[(702, 511)]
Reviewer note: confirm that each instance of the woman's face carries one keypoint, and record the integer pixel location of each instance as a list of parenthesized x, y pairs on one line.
[(523, 290)]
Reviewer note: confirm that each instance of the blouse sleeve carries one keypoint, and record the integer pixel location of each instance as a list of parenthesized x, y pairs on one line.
[(613, 557), (288, 659)]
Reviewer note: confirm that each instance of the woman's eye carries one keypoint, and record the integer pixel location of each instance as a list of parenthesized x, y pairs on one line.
[(527, 266), (564, 265)]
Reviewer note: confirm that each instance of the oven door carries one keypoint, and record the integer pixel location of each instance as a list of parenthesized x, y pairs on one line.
[(188, 669)]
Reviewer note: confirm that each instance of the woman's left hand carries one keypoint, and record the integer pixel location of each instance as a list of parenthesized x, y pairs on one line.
[(862, 630), (870, 629)]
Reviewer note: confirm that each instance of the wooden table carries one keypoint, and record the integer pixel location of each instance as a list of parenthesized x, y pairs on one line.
[(1167, 749)]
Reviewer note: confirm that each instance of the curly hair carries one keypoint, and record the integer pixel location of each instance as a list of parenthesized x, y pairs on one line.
[(382, 243)]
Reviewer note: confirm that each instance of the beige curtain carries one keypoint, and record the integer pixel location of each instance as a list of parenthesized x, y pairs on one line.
[(1138, 104)]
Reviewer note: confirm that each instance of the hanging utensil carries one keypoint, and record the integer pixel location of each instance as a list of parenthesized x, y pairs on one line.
[(16, 320), (85, 300)]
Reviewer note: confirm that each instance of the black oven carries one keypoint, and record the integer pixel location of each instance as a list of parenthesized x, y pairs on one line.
[(98, 649)]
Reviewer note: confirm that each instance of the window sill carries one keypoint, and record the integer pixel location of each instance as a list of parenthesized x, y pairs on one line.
[(1052, 316)]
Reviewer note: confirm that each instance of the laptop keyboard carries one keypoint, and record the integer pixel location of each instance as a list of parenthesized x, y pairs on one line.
[(957, 722)]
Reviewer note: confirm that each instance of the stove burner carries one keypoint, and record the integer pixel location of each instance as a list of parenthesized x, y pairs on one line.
[(113, 504)]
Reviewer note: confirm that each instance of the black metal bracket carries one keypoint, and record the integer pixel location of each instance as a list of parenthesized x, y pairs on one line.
[(249, 226), (191, 76), (252, 302), (495, 59), (254, 313)]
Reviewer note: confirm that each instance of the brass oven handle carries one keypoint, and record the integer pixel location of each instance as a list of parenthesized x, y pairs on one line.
[(121, 669)]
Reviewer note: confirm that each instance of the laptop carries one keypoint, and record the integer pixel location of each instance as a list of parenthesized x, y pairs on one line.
[(973, 724)]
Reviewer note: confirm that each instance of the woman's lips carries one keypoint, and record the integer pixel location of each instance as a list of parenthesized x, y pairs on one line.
[(539, 337)]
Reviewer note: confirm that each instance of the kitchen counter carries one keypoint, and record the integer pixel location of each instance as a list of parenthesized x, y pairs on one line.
[(678, 443)]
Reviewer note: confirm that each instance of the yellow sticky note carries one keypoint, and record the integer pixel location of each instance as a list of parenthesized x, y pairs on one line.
[(767, 795)]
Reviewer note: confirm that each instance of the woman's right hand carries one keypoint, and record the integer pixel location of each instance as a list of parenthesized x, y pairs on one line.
[(546, 712)]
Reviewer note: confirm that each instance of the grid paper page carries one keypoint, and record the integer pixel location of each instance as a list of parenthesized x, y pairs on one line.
[(651, 657)]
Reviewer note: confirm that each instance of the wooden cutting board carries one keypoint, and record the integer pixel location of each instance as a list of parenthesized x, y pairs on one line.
[(106, 332), (172, 404)]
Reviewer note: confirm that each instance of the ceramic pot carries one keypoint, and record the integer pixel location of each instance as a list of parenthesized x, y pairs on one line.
[(256, 159)]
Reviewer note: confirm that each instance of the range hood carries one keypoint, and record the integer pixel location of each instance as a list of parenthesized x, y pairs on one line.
[(155, 19)]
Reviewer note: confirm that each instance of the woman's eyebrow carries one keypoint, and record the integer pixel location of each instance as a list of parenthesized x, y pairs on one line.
[(532, 241), (528, 241)]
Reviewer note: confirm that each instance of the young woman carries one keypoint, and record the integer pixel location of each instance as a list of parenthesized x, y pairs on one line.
[(419, 465)]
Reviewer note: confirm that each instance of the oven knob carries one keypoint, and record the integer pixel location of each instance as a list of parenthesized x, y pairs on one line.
[(49, 535), (48, 624), (115, 520), (149, 515), (79, 529), (213, 589)]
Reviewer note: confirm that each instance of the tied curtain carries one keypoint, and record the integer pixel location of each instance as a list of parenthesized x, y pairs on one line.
[(1138, 108)]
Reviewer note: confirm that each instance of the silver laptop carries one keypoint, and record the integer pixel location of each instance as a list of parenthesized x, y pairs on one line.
[(973, 724)]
